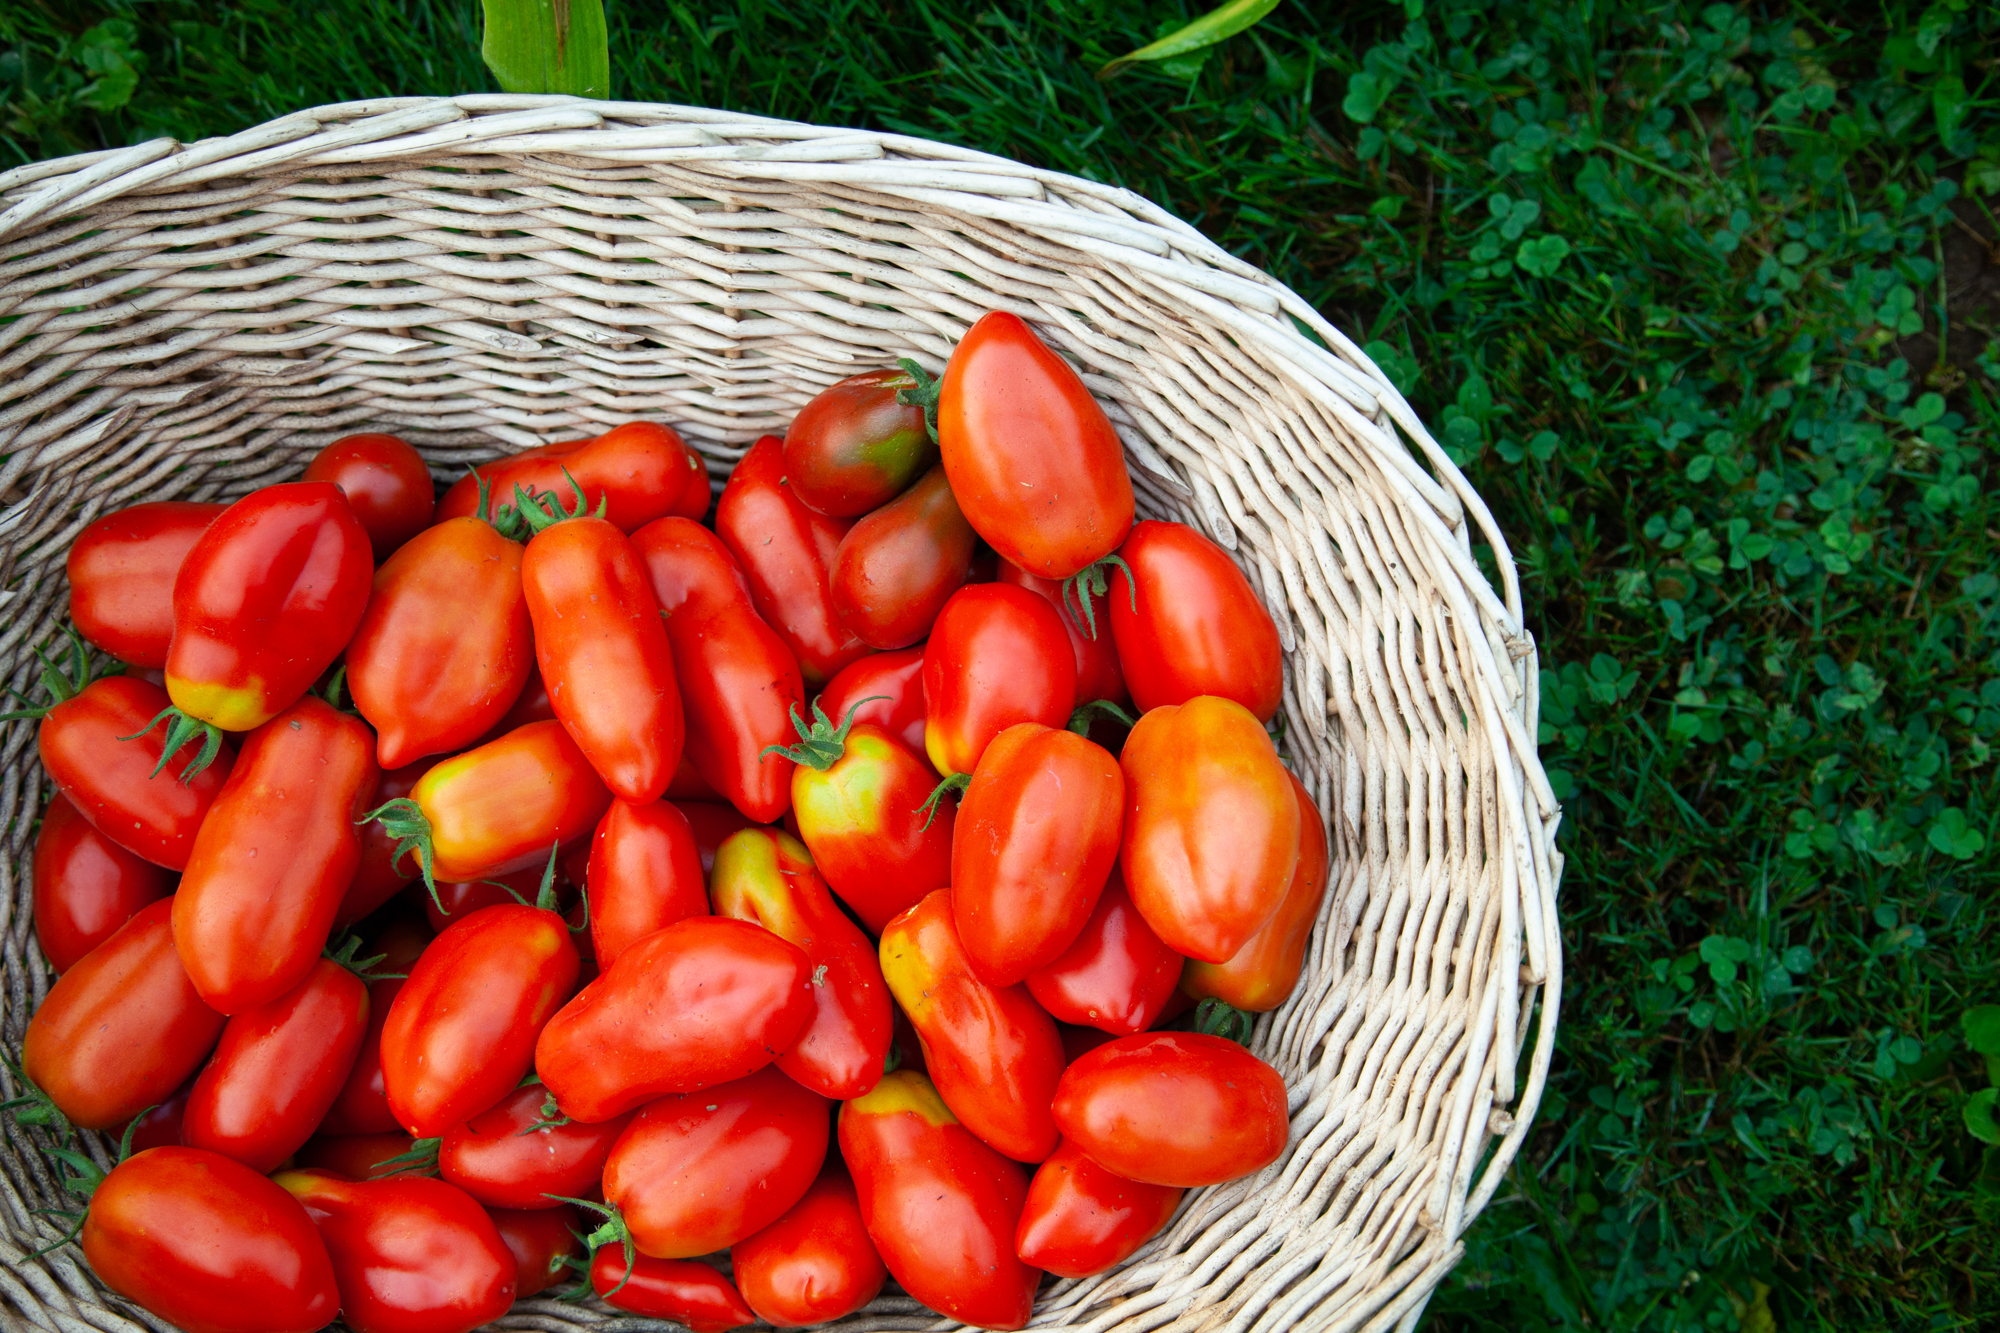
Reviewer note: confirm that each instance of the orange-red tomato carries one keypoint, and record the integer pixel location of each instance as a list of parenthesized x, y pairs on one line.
[(86, 885), (886, 689), (815, 1264), (1117, 977), (358, 1156), (645, 874), (386, 484), (864, 821), (941, 1206), (1081, 1219), (1211, 826), (515, 1154), (1262, 974), (381, 871), (497, 809), (362, 1105), (1187, 623), (121, 576), (896, 567), (1099, 675), (994, 1053), (122, 1028), (639, 471), (711, 824), (1174, 1108), (997, 656), (542, 1241), (683, 1290), (1037, 835), (854, 447)]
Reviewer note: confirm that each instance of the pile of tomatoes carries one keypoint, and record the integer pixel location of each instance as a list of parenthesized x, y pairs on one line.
[(451, 893)]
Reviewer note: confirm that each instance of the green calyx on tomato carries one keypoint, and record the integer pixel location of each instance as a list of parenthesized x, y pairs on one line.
[(613, 1228), (1081, 589), (66, 685), (1219, 1018), (61, 685), (952, 785), (550, 1116), (821, 744), (923, 393), (181, 731), (539, 513), (33, 1107), (1080, 721), (420, 1160), (350, 945), (89, 1175), (404, 820)]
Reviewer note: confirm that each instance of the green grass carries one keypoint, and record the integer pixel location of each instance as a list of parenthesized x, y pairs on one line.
[(1702, 298)]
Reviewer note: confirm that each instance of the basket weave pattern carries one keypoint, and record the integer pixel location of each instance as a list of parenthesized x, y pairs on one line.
[(485, 273)]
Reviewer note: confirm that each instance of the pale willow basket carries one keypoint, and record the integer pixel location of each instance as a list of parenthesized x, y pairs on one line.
[(490, 272)]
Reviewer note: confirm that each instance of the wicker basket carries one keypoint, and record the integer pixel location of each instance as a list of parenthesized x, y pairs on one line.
[(484, 273)]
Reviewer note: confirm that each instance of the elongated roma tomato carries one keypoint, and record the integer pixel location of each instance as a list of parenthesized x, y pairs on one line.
[(1099, 673), (518, 1152), (1174, 1108), (1080, 1219), (941, 1206), (603, 650), (384, 867), (112, 781), (854, 447), (1032, 458), (274, 857), (997, 657), (1211, 826), (886, 689), (386, 483), (894, 570), (1117, 977), (786, 551), (278, 1069), (767, 876), (462, 1030), (639, 471), (860, 799), (995, 1056), (696, 1172), (121, 576), (645, 874), (683, 1290), (1262, 974), (712, 823), (122, 1028), (815, 1264), (86, 886), (445, 646), (209, 1245), (1187, 623), (1037, 835), (410, 1254), (362, 1105), (265, 600), (496, 809), (739, 682), (542, 1241), (704, 1001)]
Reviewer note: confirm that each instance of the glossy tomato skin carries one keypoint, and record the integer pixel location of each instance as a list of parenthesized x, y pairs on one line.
[(275, 855), (159, 1127), (601, 646), (1037, 836), (994, 1055), (445, 647), (940, 1205), (121, 576), (122, 1028), (386, 483), (889, 689), (1080, 1219), (462, 1030), (998, 656), (696, 1172), (542, 1241), (895, 568), (278, 1069), (712, 823), (1099, 674), (110, 780), (815, 1264), (1117, 977), (532, 706), (380, 872), (1262, 974), (682, 1290), (767, 876), (863, 821), (1174, 1108), (739, 682), (645, 874), (512, 1155), (1211, 826), (1197, 627), (854, 448), (640, 471), (786, 551), (362, 1104), (265, 600), (410, 1254), (1035, 462), (704, 1001), (209, 1245), (497, 809), (85, 885)]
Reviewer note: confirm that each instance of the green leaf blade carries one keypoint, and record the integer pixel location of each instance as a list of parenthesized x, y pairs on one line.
[(548, 46), (1216, 26)]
